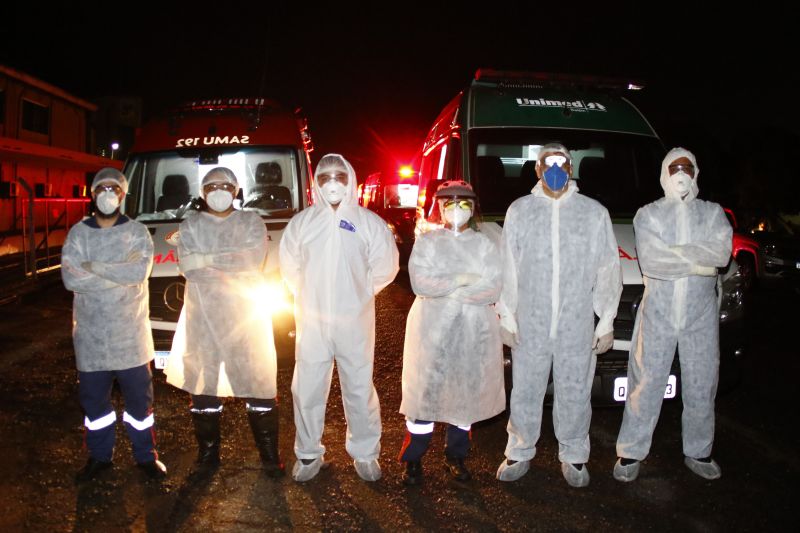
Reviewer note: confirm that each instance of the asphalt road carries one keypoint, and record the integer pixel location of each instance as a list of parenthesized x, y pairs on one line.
[(41, 427)]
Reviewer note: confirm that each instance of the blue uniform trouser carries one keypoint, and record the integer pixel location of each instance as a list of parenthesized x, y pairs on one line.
[(418, 438), (94, 390)]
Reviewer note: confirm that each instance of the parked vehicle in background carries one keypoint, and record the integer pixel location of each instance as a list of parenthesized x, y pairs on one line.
[(265, 145), (779, 250), (490, 135), (392, 194), (745, 250)]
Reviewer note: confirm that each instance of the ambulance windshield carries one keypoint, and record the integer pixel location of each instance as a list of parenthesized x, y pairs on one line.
[(619, 170), (165, 185)]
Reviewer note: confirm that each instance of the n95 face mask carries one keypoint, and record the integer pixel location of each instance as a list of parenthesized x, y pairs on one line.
[(681, 182), (456, 216), (555, 176), (219, 200), (107, 202), (334, 192)]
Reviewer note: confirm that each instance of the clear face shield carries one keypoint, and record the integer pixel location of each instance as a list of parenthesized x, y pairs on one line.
[(456, 213)]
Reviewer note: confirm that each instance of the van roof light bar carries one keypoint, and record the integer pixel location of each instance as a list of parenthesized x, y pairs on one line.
[(511, 78), (223, 104)]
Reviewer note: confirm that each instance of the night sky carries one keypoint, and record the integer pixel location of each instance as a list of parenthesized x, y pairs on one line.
[(372, 78)]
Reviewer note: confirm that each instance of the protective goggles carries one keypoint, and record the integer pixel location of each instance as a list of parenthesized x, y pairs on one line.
[(557, 160), (110, 187), (326, 177), (461, 204), (674, 169), (219, 186)]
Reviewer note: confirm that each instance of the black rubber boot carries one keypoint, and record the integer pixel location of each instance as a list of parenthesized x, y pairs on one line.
[(265, 432), (91, 470), (413, 473), (457, 468), (206, 429)]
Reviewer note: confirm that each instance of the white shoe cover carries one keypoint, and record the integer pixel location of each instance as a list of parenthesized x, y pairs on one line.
[(575, 477), (626, 472), (368, 470), (301, 472), (709, 470), (507, 472)]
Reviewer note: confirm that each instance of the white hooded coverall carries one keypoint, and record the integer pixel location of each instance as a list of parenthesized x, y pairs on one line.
[(335, 261), (453, 355), (562, 268), (223, 344), (680, 243)]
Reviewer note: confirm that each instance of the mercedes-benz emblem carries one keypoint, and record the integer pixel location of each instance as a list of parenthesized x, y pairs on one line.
[(173, 296)]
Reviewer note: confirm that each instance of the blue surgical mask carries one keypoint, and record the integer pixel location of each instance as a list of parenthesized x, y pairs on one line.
[(556, 177)]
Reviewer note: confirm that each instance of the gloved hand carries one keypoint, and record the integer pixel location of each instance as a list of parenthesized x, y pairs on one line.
[(195, 261), (87, 266), (508, 331), (468, 278), (699, 270), (602, 344)]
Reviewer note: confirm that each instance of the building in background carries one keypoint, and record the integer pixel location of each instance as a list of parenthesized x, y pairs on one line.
[(46, 161)]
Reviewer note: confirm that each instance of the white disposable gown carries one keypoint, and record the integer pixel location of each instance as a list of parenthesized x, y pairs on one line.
[(335, 262), (223, 345), (680, 243), (110, 313), (453, 355), (562, 268)]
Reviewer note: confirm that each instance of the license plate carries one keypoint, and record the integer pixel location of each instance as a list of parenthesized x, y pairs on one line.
[(621, 388), (161, 360)]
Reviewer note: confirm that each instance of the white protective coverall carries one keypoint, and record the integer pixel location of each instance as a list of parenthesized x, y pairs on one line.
[(563, 268), (223, 345), (453, 356), (680, 243), (335, 261), (110, 313)]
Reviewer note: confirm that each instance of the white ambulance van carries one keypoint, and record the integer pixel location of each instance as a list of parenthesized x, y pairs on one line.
[(265, 145), (490, 135)]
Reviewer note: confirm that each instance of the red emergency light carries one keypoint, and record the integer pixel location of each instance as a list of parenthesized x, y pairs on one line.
[(406, 172)]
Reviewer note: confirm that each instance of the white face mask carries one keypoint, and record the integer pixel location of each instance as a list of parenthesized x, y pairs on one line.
[(681, 183), (107, 202), (457, 217), (219, 200), (334, 192)]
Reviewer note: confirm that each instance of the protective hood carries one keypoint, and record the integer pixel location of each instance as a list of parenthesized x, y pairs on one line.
[(666, 182), (335, 161)]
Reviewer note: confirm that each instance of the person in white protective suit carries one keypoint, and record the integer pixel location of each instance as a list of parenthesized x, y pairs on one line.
[(336, 256), (453, 354), (562, 269), (223, 346), (680, 242), (105, 261)]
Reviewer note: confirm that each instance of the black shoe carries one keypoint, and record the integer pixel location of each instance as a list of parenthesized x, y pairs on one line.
[(153, 469), (92, 468), (265, 432), (413, 473), (206, 430), (457, 468)]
